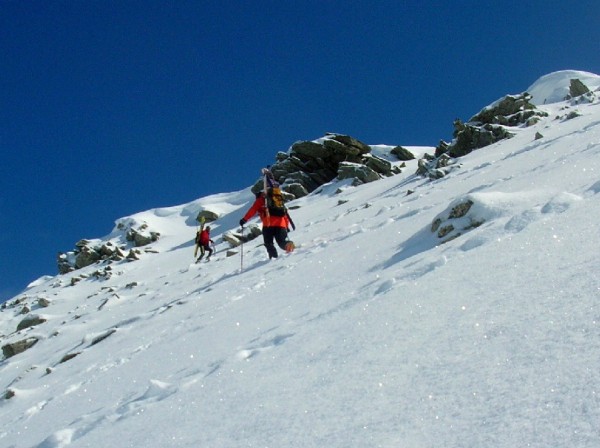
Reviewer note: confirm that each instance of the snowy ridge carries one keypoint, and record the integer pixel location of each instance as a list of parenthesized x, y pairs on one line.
[(554, 87), (372, 333)]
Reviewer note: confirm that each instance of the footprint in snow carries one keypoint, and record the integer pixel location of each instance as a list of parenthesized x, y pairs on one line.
[(251, 352)]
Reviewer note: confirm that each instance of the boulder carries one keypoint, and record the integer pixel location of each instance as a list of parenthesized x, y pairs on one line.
[(30, 321), (363, 173), (469, 137), (403, 153), (577, 88), (15, 348), (142, 237), (209, 216), (379, 165), (86, 257)]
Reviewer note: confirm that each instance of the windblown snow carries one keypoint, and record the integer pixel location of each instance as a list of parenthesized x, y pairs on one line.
[(371, 334)]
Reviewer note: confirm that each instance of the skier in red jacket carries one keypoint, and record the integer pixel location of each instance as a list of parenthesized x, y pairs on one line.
[(203, 242), (275, 228)]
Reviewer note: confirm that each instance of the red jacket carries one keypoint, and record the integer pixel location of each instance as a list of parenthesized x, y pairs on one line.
[(204, 238), (260, 207)]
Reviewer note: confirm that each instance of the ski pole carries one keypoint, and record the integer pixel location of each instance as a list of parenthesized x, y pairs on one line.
[(242, 252)]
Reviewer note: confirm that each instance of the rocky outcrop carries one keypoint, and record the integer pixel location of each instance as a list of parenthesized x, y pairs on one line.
[(512, 110), (469, 137), (88, 252), (436, 167), (310, 164), (490, 125), (456, 220)]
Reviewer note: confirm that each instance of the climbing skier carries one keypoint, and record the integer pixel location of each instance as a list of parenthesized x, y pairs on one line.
[(275, 224), (203, 241)]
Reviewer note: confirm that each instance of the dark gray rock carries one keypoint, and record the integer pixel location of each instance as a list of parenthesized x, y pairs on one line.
[(363, 173), (30, 321), (577, 88), (403, 153), (15, 348), (207, 215)]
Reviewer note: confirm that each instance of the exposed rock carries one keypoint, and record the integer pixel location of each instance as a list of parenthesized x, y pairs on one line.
[(311, 164), (297, 189), (103, 336), (469, 137), (86, 257), (538, 136), (102, 274), (363, 173), (235, 239), (15, 348), (455, 221), (209, 216), (441, 148), (577, 88), (460, 210), (75, 280), (31, 321), (142, 236), (511, 110), (381, 166), (64, 265), (43, 302), (68, 357), (435, 167), (490, 125), (133, 255), (351, 142), (88, 252), (403, 153), (310, 150)]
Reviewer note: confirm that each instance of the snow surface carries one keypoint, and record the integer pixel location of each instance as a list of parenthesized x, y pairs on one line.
[(371, 334)]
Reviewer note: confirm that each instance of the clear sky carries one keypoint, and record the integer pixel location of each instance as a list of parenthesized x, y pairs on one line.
[(108, 108)]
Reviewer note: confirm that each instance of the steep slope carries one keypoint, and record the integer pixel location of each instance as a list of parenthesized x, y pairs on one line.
[(373, 333)]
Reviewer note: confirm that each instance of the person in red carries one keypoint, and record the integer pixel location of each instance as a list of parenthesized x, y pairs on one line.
[(275, 228), (203, 242)]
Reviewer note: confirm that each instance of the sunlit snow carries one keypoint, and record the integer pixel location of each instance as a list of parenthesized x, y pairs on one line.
[(371, 334)]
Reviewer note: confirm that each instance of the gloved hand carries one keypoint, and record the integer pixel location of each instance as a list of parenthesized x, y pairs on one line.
[(242, 222)]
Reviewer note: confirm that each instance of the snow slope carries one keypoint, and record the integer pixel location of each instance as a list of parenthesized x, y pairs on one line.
[(371, 334)]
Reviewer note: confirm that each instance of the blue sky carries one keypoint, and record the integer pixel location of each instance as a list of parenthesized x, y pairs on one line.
[(108, 108)]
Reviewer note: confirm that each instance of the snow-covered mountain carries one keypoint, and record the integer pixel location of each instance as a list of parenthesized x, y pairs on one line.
[(371, 334)]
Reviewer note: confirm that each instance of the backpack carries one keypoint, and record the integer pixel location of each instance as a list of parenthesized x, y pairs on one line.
[(275, 202)]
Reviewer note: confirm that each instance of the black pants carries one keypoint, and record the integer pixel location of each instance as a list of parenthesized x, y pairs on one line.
[(279, 234), (203, 249)]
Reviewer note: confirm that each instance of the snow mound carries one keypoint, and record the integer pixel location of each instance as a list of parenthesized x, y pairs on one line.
[(554, 87)]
